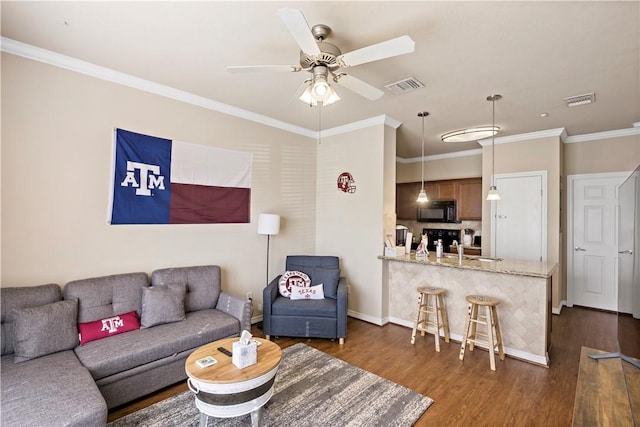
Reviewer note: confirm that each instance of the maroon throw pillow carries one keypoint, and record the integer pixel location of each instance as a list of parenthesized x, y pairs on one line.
[(103, 328)]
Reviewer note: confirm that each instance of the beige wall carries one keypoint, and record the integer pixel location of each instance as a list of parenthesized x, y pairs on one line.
[(603, 155), (449, 168), (351, 226), (57, 142), (540, 154)]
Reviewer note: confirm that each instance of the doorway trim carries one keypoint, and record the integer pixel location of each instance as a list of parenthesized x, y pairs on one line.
[(543, 176), (571, 179)]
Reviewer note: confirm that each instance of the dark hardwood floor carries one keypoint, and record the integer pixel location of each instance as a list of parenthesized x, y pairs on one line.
[(466, 393)]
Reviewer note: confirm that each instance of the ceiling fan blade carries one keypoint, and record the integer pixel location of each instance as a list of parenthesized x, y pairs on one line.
[(359, 87), (299, 29), (263, 68), (375, 52)]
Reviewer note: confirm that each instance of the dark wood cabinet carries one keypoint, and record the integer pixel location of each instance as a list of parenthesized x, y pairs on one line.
[(470, 199), (406, 195), (467, 193)]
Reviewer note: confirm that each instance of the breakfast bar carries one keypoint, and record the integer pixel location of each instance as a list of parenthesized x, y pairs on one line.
[(522, 287)]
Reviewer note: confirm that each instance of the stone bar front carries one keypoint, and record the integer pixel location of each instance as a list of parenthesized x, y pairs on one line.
[(523, 288)]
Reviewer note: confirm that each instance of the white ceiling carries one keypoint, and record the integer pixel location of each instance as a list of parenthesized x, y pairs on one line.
[(532, 53)]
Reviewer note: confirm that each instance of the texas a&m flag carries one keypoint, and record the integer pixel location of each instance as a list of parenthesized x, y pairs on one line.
[(159, 181)]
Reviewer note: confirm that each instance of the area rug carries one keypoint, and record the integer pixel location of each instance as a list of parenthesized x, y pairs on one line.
[(311, 389)]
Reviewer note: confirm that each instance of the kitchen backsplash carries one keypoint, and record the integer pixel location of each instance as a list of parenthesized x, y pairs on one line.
[(416, 227)]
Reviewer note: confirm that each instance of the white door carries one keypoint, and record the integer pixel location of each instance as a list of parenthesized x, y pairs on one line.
[(592, 249), (519, 218), (626, 235)]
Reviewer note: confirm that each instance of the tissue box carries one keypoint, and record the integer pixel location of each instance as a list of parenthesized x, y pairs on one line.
[(397, 251), (244, 355)]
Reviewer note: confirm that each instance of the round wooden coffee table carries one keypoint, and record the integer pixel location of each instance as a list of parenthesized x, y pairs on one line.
[(224, 391)]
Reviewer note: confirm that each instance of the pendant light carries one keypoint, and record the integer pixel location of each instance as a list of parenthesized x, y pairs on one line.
[(422, 196), (493, 191)]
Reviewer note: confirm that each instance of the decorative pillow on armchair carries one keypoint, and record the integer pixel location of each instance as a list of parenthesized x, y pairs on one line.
[(329, 277), (307, 292), (292, 278)]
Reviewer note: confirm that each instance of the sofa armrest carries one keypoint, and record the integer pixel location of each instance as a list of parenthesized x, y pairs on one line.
[(342, 307), (236, 307), (269, 295)]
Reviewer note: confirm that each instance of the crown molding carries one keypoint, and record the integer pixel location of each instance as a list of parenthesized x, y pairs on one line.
[(559, 132), (362, 124), (466, 153), (72, 64), (604, 135)]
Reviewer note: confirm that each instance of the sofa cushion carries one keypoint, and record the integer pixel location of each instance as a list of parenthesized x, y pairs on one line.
[(203, 284), (162, 304), (46, 329), (20, 297), (107, 296), (307, 308), (137, 348), (53, 390), (104, 328)]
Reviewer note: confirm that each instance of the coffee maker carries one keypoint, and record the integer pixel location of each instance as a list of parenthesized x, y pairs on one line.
[(401, 235)]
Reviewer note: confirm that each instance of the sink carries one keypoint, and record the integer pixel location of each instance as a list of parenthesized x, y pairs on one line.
[(474, 258)]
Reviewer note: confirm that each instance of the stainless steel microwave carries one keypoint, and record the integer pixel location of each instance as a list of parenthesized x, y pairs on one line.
[(438, 211)]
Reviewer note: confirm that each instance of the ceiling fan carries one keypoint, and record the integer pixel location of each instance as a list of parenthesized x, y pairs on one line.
[(324, 60)]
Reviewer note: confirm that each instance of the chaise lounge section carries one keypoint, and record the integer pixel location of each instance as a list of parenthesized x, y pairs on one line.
[(77, 385)]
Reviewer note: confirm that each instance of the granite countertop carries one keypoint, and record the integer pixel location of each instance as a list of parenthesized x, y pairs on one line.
[(480, 263)]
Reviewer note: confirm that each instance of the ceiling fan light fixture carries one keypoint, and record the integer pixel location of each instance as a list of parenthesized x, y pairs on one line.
[(470, 134), (308, 98)]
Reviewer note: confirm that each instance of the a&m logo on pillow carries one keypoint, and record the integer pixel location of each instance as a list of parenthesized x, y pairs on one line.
[(292, 278), (112, 324)]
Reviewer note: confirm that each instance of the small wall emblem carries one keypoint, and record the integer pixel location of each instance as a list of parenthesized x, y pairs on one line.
[(346, 183)]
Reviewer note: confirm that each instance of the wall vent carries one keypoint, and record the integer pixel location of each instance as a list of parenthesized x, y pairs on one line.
[(574, 101), (405, 85)]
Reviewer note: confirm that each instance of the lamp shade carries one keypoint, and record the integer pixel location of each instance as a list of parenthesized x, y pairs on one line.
[(268, 224)]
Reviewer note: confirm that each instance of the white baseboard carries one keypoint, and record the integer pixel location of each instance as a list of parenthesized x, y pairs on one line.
[(555, 310), (367, 318)]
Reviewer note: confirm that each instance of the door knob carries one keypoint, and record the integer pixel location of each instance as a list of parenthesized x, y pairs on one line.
[(628, 251), (579, 249)]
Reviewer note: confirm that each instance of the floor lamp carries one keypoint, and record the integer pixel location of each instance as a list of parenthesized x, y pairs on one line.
[(268, 224)]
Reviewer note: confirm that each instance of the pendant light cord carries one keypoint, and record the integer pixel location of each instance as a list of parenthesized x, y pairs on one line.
[(319, 122), (422, 159), (493, 144)]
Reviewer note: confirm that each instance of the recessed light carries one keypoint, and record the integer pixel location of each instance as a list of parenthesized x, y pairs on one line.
[(544, 114)]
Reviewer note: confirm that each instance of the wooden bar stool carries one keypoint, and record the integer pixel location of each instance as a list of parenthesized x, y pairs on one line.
[(490, 320), (431, 312)]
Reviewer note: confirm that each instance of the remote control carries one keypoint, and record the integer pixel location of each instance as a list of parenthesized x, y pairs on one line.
[(224, 351)]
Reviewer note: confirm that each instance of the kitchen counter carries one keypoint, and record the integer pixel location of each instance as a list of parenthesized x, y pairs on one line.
[(480, 263), (523, 289)]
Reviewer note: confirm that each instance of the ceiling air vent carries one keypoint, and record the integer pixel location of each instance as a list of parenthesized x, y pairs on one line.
[(574, 101), (406, 85)]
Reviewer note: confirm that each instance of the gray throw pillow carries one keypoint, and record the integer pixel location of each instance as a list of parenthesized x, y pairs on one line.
[(329, 277), (162, 304), (46, 329)]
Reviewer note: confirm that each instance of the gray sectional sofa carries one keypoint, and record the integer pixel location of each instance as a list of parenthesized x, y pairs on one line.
[(48, 379)]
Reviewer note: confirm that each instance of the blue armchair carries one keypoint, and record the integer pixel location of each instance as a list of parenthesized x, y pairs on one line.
[(324, 318)]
